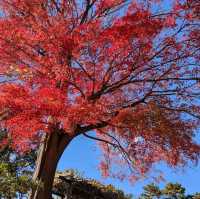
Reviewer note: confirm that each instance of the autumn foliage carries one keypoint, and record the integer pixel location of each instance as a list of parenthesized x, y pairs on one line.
[(127, 70)]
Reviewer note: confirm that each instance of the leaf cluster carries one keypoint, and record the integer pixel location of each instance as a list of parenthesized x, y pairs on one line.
[(170, 191), (15, 171)]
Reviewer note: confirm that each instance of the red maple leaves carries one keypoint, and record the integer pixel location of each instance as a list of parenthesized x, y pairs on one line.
[(119, 68)]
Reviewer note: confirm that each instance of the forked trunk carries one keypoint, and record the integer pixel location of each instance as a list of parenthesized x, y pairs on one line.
[(50, 151)]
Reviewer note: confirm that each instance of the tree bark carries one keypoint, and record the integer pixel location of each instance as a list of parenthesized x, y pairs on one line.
[(49, 153)]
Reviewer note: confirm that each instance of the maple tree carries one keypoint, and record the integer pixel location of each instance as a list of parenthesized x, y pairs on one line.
[(121, 72)]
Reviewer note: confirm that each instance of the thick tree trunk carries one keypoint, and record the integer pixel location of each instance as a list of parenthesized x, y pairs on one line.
[(50, 151)]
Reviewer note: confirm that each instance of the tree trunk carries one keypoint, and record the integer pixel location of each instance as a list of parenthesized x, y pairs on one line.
[(50, 151)]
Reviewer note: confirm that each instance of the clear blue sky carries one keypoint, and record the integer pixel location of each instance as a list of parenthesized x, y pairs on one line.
[(83, 155)]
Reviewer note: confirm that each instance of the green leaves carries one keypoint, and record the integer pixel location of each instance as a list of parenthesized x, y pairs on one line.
[(175, 191), (15, 171), (10, 183), (170, 191), (151, 191)]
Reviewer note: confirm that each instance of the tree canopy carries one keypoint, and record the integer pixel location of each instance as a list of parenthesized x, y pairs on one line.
[(170, 191), (123, 72), (15, 171)]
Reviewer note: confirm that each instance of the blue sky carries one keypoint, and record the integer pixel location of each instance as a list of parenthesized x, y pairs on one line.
[(83, 155)]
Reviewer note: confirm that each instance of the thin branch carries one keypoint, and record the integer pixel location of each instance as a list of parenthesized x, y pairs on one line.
[(101, 140), (83, 129), (180, 110), (87, 9), (118, 146)]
